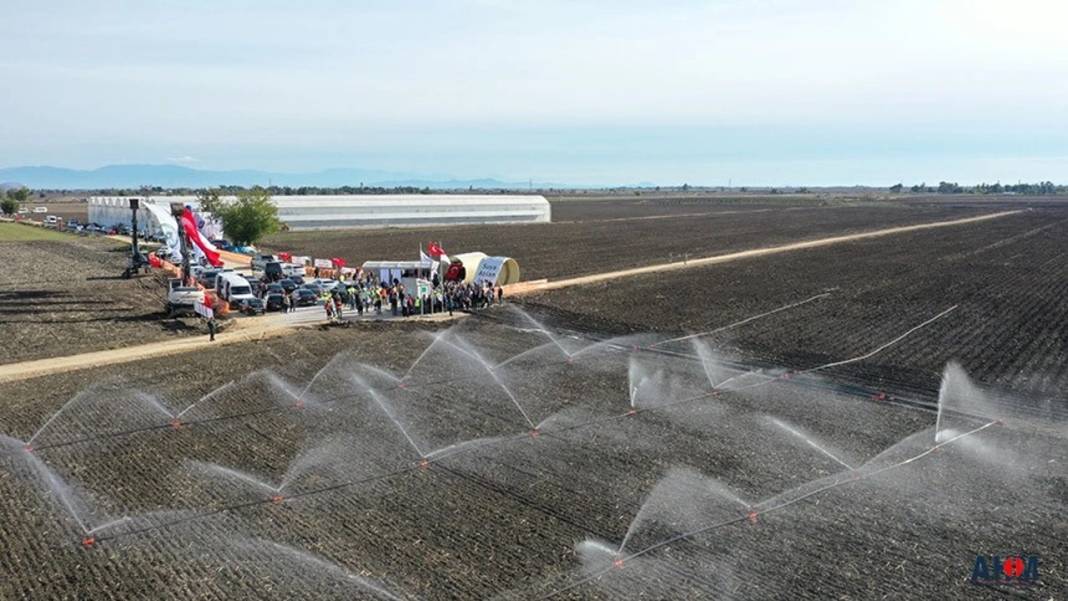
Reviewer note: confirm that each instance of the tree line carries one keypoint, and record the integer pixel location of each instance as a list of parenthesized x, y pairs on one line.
[(1035, 189)]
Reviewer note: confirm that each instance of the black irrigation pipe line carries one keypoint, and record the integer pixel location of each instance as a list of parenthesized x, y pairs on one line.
[(258, 502), (424, 462), (855, 390), (620, 560)]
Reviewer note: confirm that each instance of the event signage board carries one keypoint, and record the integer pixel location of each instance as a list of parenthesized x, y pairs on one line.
[(489, 269)]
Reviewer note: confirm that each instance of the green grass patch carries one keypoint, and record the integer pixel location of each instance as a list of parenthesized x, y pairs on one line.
[(19, 232)]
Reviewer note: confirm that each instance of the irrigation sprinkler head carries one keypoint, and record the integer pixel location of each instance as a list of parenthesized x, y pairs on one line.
[(632, 413), (299, 404), (635, 348), (402, 386), (879, 396), (570, 360), (617, 563), (752, 516), (535, 433), (277, 499), (88, 542), (27, 448), (998, 422), (424, 463), (786, 375), (176, 424)]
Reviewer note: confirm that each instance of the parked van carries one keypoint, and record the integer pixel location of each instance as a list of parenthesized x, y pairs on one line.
[(40, 209), (233, 288), (51, 221)]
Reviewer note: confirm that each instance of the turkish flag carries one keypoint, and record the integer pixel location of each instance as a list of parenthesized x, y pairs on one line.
[(338, 262), (435, 251), (287, 257)]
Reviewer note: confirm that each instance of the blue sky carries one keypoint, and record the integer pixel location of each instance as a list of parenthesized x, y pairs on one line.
[(749, 91)]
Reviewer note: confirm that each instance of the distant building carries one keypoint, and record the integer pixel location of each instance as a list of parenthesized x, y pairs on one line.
[(359, 210)]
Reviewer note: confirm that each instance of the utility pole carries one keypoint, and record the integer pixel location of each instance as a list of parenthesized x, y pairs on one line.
[(135, 253), (177, 210)]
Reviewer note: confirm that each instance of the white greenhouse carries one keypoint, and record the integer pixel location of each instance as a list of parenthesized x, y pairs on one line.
[(352, 211)]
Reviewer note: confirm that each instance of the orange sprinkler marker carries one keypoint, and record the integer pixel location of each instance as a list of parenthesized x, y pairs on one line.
[(299, 404), (632, 412), (879, 396), (617, 562), (535, 433), (276, 499), (752, 517), (28, 448), (176, 424), (424, 463), (88, 541)]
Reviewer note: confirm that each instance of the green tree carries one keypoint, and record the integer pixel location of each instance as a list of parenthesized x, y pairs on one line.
[(19, 194), (9, 205), (247, 219)]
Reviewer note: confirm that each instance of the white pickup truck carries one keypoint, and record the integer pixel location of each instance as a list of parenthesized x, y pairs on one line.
[(181, 299)]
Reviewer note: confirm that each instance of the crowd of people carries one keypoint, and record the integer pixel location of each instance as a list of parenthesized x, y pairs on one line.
[(366, 293)]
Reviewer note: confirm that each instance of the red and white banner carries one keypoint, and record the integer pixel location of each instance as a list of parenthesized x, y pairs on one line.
[(189, 224), (203, 310)]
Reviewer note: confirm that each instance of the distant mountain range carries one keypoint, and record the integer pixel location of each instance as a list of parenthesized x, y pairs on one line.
[(174, 176)]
